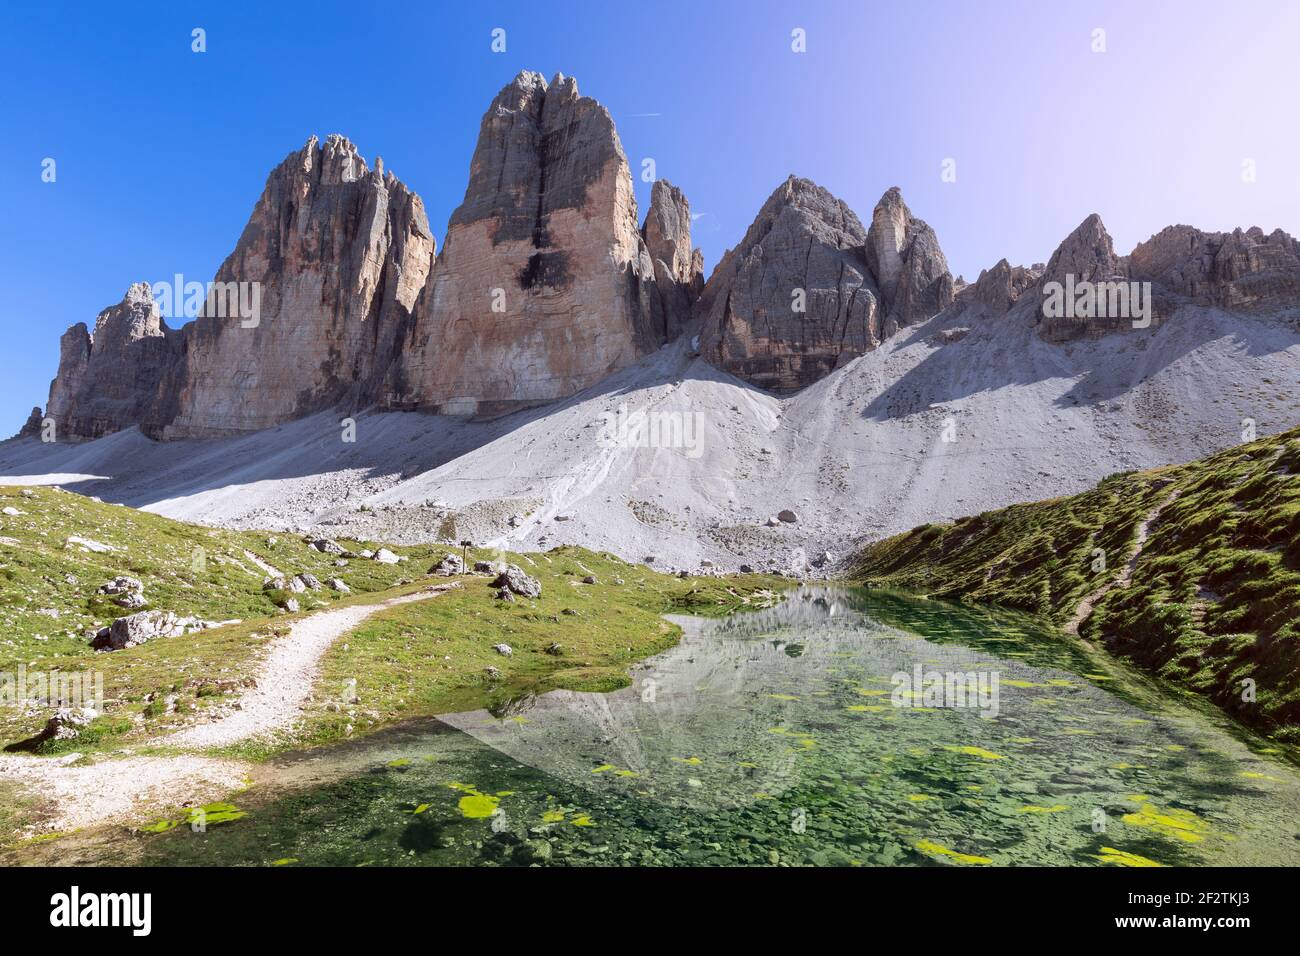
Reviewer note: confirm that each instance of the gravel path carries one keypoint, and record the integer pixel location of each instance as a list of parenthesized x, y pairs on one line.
[(113, 791), (286, 677)]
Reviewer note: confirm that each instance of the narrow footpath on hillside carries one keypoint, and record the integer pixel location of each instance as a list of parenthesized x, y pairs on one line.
[(1087, 605), (79, 794)]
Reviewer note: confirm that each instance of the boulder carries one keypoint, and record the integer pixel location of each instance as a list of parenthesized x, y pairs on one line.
[(138, 628), (449, 565), (384, 556), (514, 579)]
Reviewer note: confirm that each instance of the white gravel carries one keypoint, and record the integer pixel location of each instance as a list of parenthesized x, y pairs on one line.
[(118, 790), (287, 675), (860, 454)]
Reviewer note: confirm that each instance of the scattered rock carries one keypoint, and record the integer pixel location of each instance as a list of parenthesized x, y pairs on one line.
[(328, 546), (290, 605), (514, 579), (384, 556), (505, 650), (88, 544), (138, 628), (449, 565), (337, 584), (590, 579), (788, 516), (555, 649), (309, 581)]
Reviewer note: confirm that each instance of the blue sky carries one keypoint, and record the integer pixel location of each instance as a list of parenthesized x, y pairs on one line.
[(162, 152)]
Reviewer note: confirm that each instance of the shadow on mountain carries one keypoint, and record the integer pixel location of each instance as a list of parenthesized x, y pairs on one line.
[(1005, 351)]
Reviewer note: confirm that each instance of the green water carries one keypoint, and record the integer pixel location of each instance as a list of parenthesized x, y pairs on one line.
[(772, 738)]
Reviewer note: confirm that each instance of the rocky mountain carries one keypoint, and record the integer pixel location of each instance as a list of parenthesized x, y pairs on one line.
[(809, 289), (910, 269), (1245, 272), (110, 378), (549, 283), (546, 283), (340, 254)]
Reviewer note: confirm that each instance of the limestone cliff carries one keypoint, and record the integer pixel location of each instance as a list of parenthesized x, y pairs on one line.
[(808, 288), (109, 379), (340, 254), (546, 284)]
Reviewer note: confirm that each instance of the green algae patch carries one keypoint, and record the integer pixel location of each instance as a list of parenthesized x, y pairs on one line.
[(937, 849), (475, 805), (212, 814), (976, 752), (1116, 857), (1171, 822)]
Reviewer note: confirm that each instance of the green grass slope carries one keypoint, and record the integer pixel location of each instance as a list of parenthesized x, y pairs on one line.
[(420, 658), (1213, 600)]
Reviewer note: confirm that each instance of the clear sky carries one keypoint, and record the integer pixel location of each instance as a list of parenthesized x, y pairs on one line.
[(161, 152)]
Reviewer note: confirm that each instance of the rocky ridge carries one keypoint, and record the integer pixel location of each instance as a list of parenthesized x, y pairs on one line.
[(547, 285)]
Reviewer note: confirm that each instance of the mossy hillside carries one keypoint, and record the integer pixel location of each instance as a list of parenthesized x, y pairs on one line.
[(434, 656), (1215, 596)]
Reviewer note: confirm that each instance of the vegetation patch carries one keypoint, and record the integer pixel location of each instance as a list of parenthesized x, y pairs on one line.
[(1213, 601)]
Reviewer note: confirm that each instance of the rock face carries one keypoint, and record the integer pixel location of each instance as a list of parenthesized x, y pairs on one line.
[(32, 427), (545, 284), (1240, 271), (808, 288), (331, 262), (998, 288), (340, 254), (678, 269), (795, 299), (110, 379), (909, 267), (1086, 255)]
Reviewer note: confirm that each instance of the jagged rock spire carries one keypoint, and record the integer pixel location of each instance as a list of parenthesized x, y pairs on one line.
[(546, 284)]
